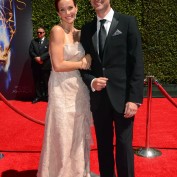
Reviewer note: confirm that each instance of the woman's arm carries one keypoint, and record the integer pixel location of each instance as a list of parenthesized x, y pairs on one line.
[(56, 51)]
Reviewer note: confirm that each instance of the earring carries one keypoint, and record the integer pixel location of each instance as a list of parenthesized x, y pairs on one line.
[(60, 20)]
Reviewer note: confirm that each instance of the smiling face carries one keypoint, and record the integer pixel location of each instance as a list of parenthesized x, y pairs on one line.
[(67, 10)]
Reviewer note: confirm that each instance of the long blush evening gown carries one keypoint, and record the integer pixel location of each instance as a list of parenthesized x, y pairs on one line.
[(66, 145)]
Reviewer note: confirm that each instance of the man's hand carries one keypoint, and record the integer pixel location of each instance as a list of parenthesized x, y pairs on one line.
[(130, 109), (99, 83)]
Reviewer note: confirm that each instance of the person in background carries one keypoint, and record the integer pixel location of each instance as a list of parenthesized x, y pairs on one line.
[(40, 64), (67, 137), (115, 80)]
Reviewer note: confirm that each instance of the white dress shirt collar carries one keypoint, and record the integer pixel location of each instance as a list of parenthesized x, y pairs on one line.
[(108, 17), (42, 39)]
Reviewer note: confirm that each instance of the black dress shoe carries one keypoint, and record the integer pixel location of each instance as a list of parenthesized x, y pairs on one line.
[(37, 99)]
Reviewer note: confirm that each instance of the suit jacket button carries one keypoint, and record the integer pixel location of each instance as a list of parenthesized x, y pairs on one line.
[(103, 68)]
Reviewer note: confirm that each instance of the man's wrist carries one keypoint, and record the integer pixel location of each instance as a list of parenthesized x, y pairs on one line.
[(91, 85)]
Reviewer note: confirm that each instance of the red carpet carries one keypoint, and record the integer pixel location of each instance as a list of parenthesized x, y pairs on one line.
[(21, 139)]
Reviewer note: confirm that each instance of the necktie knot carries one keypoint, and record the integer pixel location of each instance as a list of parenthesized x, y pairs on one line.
[(102, 22)]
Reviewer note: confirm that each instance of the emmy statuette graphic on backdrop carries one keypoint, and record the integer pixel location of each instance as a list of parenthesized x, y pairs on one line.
[(7, 32)]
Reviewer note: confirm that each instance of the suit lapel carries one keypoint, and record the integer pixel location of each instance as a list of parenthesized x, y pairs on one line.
[(113, 28), (94, 34), (45, 41), (95, 38)]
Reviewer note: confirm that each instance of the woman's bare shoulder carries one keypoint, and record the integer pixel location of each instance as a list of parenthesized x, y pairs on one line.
[(57, 32), (56, 28)]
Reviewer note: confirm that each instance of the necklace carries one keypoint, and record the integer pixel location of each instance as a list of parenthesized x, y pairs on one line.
[(67, 30)]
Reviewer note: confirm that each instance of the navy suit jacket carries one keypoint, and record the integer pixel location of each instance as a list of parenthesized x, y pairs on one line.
[(122, 61)]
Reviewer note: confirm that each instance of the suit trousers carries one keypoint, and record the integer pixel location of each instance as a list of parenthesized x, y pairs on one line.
[(41, 78), (108, 123)]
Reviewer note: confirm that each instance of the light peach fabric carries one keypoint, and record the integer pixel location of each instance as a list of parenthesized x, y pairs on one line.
[(67, 137)]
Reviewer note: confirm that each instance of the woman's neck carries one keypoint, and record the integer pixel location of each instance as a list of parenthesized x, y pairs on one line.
[(68, 28)]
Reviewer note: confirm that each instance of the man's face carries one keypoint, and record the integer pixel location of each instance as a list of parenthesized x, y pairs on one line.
[(40, 33), (100, 6)]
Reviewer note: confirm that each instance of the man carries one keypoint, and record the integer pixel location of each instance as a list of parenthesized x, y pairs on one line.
[(115, 80), (40, 64)]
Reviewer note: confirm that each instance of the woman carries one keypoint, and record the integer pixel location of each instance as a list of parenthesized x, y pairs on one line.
[(66, 145)]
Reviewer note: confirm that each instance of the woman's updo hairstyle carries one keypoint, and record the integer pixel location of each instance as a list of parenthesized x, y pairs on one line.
[(56, 4)]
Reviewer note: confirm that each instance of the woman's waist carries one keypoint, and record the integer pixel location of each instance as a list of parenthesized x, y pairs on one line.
[(67, 73)]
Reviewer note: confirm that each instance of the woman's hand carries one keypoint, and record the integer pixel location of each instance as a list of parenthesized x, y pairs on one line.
[(86, 62)]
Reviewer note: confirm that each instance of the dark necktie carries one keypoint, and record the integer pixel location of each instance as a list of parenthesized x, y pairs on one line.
[(40, 41), (102, 37)]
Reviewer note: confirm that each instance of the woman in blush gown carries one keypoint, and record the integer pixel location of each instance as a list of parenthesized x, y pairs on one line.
[(67, 136)]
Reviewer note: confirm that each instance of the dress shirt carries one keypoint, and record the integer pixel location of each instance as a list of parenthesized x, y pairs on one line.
[(107, 24)]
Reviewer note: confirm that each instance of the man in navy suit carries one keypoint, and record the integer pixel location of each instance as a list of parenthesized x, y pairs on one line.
[(116, 82), (40, 64)]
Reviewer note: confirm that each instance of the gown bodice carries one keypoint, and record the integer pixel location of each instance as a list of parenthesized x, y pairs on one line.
[(73, 52)]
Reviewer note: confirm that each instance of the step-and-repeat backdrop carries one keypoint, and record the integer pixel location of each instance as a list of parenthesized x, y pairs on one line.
[(15, 37)]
